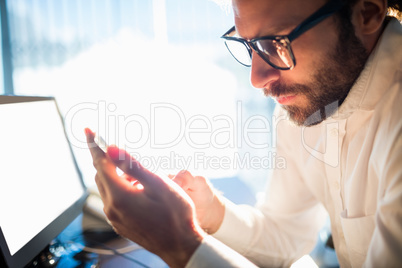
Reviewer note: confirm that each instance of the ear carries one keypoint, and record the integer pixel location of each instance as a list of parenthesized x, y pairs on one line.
[(369, 15)]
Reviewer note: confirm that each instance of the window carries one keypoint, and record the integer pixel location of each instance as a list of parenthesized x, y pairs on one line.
[(151, 76), (5, 57)]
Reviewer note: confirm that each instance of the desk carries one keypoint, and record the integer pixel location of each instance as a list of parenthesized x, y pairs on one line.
[(84, 231)]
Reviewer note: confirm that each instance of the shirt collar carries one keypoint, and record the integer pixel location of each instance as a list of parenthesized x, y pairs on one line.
[(377, 74)]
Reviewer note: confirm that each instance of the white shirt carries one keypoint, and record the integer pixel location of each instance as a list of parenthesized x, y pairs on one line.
[(348, 167)]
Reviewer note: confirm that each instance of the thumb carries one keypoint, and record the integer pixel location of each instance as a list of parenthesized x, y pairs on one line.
[(184, 179)]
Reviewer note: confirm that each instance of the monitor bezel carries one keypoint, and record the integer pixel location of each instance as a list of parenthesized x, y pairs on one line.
[(35, 246)]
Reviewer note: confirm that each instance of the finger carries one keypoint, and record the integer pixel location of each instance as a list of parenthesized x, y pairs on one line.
[(184, 179), (96, 155), (96, 152), (132, 167), (201, 183), (130, 179), (99, 184), (127, 177), (188, 182), (137, 185), (107, 177)]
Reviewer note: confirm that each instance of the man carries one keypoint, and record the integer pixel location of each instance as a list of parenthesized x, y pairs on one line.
[(335, 67)]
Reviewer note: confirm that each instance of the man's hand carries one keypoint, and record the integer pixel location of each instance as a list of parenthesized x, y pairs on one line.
[(210, 209), (145, 208)]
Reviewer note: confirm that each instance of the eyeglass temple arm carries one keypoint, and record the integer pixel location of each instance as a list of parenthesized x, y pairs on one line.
[(327, 10)]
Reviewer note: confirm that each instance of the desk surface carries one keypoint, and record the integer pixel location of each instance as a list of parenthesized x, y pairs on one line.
[(98, 237)]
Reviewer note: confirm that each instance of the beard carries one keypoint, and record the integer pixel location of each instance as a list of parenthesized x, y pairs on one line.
[(332, 81)]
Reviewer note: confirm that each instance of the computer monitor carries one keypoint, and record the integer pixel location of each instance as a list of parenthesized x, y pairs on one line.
[(41, 188)]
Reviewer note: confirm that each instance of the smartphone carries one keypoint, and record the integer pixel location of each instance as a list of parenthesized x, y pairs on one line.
[(101, 143)]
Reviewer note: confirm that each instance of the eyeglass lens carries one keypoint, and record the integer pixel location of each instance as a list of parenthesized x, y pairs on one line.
[(239, 51), (275, 52)]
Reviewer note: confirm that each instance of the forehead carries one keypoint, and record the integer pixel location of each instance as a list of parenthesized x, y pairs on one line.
[(255, 18)]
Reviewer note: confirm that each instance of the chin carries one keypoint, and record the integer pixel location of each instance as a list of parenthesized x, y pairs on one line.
[(305, 118)]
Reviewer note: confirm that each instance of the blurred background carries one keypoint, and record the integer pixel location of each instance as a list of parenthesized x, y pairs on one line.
[(152, 76)]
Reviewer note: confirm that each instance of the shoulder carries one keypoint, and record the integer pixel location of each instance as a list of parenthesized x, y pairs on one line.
[(388, 111), (387, 128)]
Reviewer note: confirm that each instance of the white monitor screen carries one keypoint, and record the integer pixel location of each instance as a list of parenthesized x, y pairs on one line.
[(38, 175)]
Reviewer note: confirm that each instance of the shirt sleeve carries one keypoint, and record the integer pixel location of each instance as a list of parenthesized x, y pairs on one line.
[(285, 226), (212, 253)]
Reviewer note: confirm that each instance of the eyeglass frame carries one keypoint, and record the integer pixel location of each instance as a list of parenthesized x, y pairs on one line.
[(324, 12)]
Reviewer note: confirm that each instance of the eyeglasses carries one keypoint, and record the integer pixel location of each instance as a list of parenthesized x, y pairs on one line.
[(276, 49)]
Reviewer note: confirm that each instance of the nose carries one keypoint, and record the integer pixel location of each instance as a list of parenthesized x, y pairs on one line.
[(262, 74)]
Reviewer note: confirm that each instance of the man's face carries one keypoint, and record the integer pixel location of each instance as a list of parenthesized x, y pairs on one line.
[(328, 59)]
